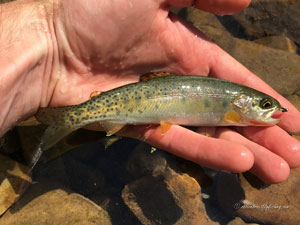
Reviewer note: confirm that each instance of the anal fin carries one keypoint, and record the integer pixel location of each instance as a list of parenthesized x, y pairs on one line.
[(111, 127), (165, 126)]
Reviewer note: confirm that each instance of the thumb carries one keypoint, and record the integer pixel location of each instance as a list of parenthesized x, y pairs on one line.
[(220, 7)]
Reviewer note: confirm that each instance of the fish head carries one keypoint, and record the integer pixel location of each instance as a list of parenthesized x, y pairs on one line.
[(258, 109)]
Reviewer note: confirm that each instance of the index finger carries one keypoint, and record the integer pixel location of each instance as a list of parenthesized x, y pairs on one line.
[(206, 151), (227, 68)]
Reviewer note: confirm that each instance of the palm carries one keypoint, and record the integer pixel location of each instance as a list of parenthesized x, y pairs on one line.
[(109, 53), (110, 44)]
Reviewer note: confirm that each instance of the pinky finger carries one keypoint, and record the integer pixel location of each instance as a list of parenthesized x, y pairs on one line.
[(268, 166)]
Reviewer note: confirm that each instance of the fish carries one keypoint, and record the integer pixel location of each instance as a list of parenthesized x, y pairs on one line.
[(163, 98)]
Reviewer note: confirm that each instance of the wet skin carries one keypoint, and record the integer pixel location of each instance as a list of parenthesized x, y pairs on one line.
[(89, 55)]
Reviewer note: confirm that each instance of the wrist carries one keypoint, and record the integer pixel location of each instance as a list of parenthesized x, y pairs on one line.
[(26, 57)]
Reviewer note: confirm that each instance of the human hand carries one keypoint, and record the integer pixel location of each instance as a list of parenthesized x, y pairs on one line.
[(99, 45)]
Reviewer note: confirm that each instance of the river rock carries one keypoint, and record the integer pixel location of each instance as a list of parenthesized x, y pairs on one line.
[(268, 18), (256, 202), (56, 206), (278, 42), (144, 161), (173, 199), (295, 100), (14, 180), (280, 69), (239, 221)]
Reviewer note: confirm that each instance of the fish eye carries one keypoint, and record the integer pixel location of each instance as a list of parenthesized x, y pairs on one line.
[(265, 103)]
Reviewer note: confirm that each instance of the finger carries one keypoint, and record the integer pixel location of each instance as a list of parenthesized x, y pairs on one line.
[(268, 166), (221, 7), (276, 140), (206, 151), (207, 131), (227, 68), (180, 3)]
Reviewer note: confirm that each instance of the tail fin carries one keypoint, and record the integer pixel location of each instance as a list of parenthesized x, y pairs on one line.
[(52, 135)]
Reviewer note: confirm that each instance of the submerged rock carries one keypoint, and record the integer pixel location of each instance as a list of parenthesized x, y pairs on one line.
[(14, 180), (278, 42), (295, 100), (257, 202), (171, 199), (239, 221), (268, 18), (280, 69), (55, 207)]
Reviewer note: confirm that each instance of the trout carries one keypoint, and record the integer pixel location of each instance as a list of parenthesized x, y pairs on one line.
[(165, 99)]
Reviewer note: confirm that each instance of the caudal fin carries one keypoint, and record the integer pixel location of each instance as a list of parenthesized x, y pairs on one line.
[(52, 135)]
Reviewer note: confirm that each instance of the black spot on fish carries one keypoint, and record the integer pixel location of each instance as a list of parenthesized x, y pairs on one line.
[(90, 108), (206, 103), (78, 112), (130, 110)]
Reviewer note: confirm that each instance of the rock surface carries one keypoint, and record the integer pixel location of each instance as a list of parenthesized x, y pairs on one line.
[(256, 202), (174, 199), (268, 18), (14, 179), (54, 207), (278, 42), (239, 221), (280, 69)]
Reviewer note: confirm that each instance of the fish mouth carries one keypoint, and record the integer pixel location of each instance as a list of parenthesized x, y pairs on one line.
[(272, 118), (275, 116)]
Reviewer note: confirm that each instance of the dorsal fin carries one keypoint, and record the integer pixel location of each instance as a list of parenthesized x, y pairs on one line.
[(95, 94), (151, 75)]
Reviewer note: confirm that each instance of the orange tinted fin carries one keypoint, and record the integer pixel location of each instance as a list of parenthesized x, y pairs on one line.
[(29, 122), (232, 117), (151, 75), (95, 94), (165, 126), (255, 123), (111, 127)]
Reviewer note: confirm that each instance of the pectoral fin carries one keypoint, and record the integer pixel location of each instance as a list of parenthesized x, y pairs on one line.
[(29, 122), (52, 135), (165, 126), (111, 127), (232, 117)]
